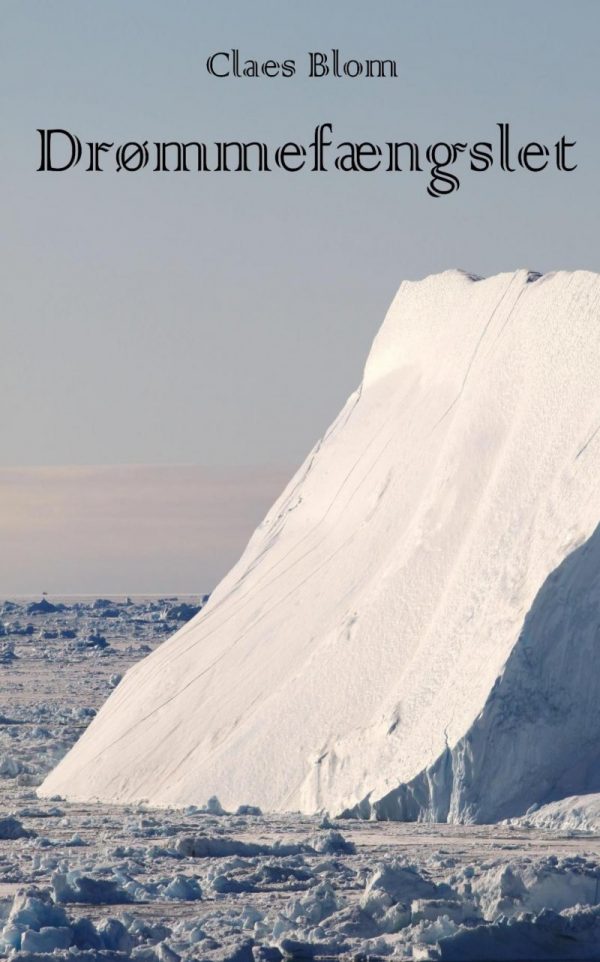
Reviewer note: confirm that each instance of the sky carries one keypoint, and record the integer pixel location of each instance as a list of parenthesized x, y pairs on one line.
[(219, 321)]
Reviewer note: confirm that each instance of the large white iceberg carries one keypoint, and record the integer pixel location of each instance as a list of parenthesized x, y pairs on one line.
[(414, 629)]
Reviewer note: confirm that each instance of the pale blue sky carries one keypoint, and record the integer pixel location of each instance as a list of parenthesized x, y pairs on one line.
[(222, 320)]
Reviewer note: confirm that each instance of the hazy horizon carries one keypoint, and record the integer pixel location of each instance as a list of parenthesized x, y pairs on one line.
[(127, 529)]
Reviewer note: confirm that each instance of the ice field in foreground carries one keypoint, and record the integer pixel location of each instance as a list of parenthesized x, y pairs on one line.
[(90, 882), (411, 632)]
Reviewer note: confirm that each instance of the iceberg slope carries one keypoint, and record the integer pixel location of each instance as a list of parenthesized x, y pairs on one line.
[(412, 630)]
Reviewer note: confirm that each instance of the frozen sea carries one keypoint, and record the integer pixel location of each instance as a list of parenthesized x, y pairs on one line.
[(92, 882)]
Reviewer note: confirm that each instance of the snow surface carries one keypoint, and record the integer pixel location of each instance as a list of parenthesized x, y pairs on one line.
[(411, 633), (574, 814)]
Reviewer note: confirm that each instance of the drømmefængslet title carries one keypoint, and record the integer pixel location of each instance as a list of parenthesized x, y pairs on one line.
[(443, 162)]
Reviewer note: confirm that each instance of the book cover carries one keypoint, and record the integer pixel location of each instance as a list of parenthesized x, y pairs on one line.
[(299, 501)]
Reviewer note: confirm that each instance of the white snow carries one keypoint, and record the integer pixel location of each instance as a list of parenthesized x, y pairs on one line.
[(576, 813), (412, 630)]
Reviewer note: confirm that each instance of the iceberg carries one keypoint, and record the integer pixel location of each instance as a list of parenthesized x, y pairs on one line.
[(413, 630)]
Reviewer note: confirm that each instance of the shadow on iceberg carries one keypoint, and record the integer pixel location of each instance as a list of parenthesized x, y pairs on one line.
[(537, 738)]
